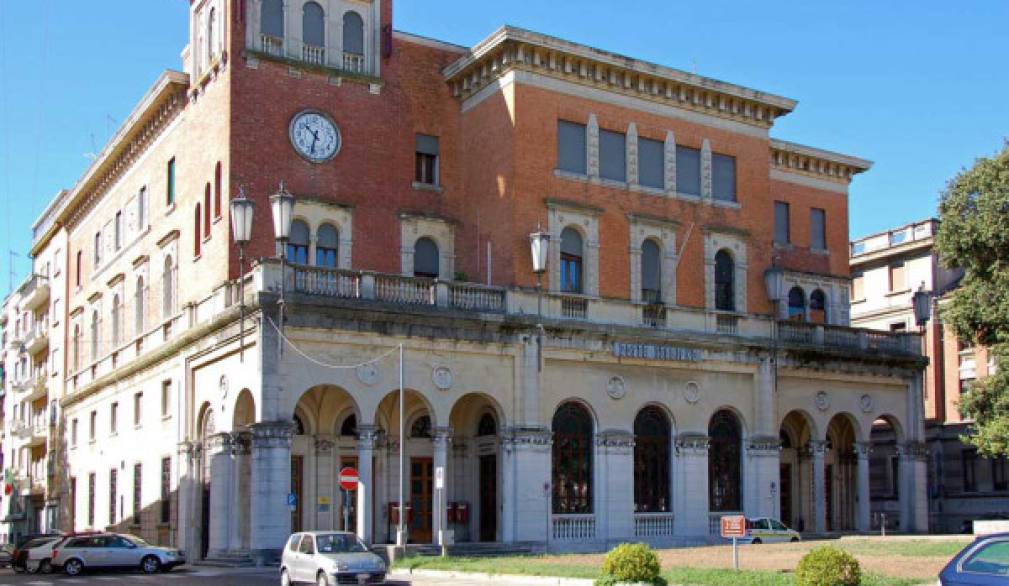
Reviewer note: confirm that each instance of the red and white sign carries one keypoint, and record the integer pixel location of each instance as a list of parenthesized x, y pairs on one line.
[(349, 478), (733, 526)]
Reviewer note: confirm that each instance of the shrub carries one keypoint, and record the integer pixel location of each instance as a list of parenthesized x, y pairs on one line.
[(828, 566), (631, 562)]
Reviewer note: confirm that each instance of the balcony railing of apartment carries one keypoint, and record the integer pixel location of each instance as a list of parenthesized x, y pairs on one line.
[(312, 54), (35, 291), (37, 337)]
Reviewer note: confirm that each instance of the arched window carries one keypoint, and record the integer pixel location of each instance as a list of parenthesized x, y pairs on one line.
[(818, 307), (572, 460), (197, 231), (217, 190), (651, 272), (211, 24), (297, 246), (76, 348), (571, 261), (421, 427), (349, 426), (206, 211), (724, 462), (139, 297), (651, 461), (96, 325), (353, 33), (797, 304), (116, 320), (299, 425), (271, 17), (425, 258), (168, 288), (486, 426), (326, 240), (725, 281), (313, 22)]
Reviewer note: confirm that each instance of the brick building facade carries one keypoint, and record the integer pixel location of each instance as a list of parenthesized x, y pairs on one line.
[(681, 237)]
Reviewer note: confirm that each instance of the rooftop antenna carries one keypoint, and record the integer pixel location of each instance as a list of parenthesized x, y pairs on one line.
[(94, 149), (10, 268)]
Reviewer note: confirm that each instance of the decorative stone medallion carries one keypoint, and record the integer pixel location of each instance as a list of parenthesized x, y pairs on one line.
[(822, 401), (367, 373), (442, 377), (616, 388), (866, 403), (692, 392)]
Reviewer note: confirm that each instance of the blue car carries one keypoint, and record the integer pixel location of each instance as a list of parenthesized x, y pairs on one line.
[(983, 562)]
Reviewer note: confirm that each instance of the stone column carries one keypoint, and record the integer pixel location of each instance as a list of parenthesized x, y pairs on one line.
[(863, 509), (218, 452), (271, 483), (441, 439), (764, 455), (691, 492), (367, 436), (187, 468), (817, 448), (526, 473), (913, 496), (240, 448), (324, 488), (615, 478)]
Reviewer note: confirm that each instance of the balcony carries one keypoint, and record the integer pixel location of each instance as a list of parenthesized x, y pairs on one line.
[(37, 338), (36, 387), (35, 291), (33, 432), (295, 51), (418, 293)]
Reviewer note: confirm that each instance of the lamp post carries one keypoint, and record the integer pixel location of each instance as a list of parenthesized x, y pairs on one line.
[(539, 242), (922, 302), (282, 206), (773, 278), (242, 210)]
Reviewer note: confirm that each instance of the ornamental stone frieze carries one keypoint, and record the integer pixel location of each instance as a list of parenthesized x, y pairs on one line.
[(692, 444), (218, 443), (763, 445), (241, 443), (815, 448), (272, 434), (518, 438), (615, 440)]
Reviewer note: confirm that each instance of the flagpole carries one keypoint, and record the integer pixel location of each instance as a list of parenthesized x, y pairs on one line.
[(400, 533)]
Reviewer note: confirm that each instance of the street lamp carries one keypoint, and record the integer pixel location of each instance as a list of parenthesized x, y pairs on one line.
[(773, 279), (539, 242), (922, 301), (282, 206), (242, 210)]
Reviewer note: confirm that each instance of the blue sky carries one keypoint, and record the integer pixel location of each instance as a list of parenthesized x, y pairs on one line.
[(918, 87)]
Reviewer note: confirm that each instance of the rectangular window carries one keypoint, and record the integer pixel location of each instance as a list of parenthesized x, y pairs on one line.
[(166, 394), (427, 160), (170, 185), (723, 177), (651, 163), (98, 248), (73, 433), (969, 458), (817, 229), (166, 490), (898, 327), (142, 209), (571, 147), (94, 423), (688, 170), (857, 286), (91, 499), (782, 234), (112, 496), (897, 281), (137, 485), (138, 403), (113, 418), (119, 230), (612, 155)]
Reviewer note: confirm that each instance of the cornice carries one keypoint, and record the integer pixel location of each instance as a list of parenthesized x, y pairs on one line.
[(168, 238), (797, 159), (653, 220), (511, 48), (557, 203), (118, 278)]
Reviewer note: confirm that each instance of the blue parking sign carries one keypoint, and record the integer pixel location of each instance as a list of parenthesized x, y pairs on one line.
[(292, 499)]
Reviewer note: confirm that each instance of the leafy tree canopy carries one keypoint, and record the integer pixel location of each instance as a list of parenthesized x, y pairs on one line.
[(974, 236)]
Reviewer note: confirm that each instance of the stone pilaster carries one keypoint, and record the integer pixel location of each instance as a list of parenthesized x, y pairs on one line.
[(367, 438), (325, 462), (669, 162), (526, 476), (691, 485), (762, 489), (592, 148), (271, 483), (706, 184), (441, 440), (913, 496), (614, 475), (817, 449), (632, 154), (863, 501), (218, 452)]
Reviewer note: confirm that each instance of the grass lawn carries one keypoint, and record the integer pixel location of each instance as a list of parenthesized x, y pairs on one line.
[(885, 562)]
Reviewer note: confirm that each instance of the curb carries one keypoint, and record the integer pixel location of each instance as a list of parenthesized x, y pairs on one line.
[(445, 575)]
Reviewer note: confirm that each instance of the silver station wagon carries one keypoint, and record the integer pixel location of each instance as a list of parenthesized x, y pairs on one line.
[(326, 558)]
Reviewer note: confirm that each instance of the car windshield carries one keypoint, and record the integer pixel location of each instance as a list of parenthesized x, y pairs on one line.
[(992, 559), (339, 543), (136, 540)]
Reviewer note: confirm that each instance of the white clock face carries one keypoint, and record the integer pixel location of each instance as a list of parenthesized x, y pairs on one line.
[(314, 136)]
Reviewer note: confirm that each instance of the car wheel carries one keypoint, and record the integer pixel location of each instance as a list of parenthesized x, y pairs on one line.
[(756, 541), (795, 540), (150, 564), (321, 580), (285, 579), (46, 567), (73, 567)]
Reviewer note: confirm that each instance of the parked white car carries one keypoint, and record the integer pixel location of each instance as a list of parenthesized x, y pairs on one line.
[(111, 550), (39, 557), (767, 530), (327, 558)]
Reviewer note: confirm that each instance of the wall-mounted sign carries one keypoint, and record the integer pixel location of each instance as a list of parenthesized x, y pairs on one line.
[(657, 352)]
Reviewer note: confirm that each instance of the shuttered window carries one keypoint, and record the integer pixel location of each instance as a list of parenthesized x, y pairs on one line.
[(898, 282)]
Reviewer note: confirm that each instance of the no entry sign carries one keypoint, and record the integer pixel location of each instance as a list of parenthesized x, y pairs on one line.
[(349, 478)]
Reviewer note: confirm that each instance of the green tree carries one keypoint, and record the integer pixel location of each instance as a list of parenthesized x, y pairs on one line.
[(974, 236)]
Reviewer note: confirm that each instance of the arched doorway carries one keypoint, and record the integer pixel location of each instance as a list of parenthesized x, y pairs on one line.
[(474, 498), (795, 479), (725, 488), (244, 416), (419, 453), (885, 473), (207, 428), (841, 473), (652, 480), (573, 430)]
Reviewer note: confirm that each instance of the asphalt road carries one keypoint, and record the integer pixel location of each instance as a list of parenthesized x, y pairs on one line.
[(185, 576)]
